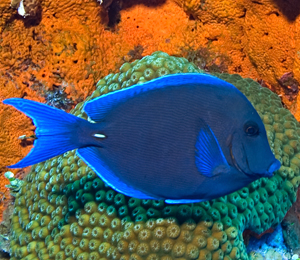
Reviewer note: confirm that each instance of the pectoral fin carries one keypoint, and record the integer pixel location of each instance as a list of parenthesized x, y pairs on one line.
[(208, 155)]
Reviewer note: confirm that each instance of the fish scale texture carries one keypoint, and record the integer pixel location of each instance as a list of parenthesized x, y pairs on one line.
[(64, 211)]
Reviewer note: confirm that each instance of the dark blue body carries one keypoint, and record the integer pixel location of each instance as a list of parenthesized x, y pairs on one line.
[(181, 138)]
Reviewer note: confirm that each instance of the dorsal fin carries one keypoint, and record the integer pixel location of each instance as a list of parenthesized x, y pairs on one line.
[(97, 108)]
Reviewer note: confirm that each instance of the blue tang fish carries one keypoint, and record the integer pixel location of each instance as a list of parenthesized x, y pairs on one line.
[(182, 138)]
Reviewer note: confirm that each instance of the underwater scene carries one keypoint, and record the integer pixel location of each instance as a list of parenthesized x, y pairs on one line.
[(149, 130)]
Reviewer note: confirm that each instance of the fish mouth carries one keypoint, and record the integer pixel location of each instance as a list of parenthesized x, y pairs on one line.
[(251, 174)]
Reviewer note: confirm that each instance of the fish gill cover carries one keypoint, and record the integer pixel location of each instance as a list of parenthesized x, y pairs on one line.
[(64, 211)]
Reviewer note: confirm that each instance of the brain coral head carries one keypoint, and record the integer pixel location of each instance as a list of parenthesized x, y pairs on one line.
[(64, 210)]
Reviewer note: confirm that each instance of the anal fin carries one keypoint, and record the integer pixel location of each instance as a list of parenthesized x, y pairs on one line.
[(92, 156)]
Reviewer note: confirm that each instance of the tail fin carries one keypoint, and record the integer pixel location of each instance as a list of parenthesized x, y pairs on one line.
[(56, 130)]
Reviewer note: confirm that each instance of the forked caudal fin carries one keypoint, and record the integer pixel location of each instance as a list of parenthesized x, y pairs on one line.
[(57, 131)]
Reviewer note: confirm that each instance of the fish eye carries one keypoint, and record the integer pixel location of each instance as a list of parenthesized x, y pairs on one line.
[(251, 128)]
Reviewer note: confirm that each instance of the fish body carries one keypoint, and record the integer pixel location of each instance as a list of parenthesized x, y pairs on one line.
[(182, 138)]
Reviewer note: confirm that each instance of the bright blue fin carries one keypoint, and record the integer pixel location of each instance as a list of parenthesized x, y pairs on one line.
[(209, 155), (97, 108), (182, 201), (92, 157), (55, 130)]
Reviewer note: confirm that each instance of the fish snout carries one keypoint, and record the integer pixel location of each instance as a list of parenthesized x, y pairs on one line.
[(272, 168)]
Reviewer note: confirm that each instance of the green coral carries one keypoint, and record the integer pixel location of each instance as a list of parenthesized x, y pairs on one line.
[(64, 211)]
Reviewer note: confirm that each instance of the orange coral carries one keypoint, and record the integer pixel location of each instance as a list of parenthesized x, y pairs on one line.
[(11, 150), (3, 194), (72, 43)]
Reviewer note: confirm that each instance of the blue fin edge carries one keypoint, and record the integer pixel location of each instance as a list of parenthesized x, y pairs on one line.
[(183, 201)]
